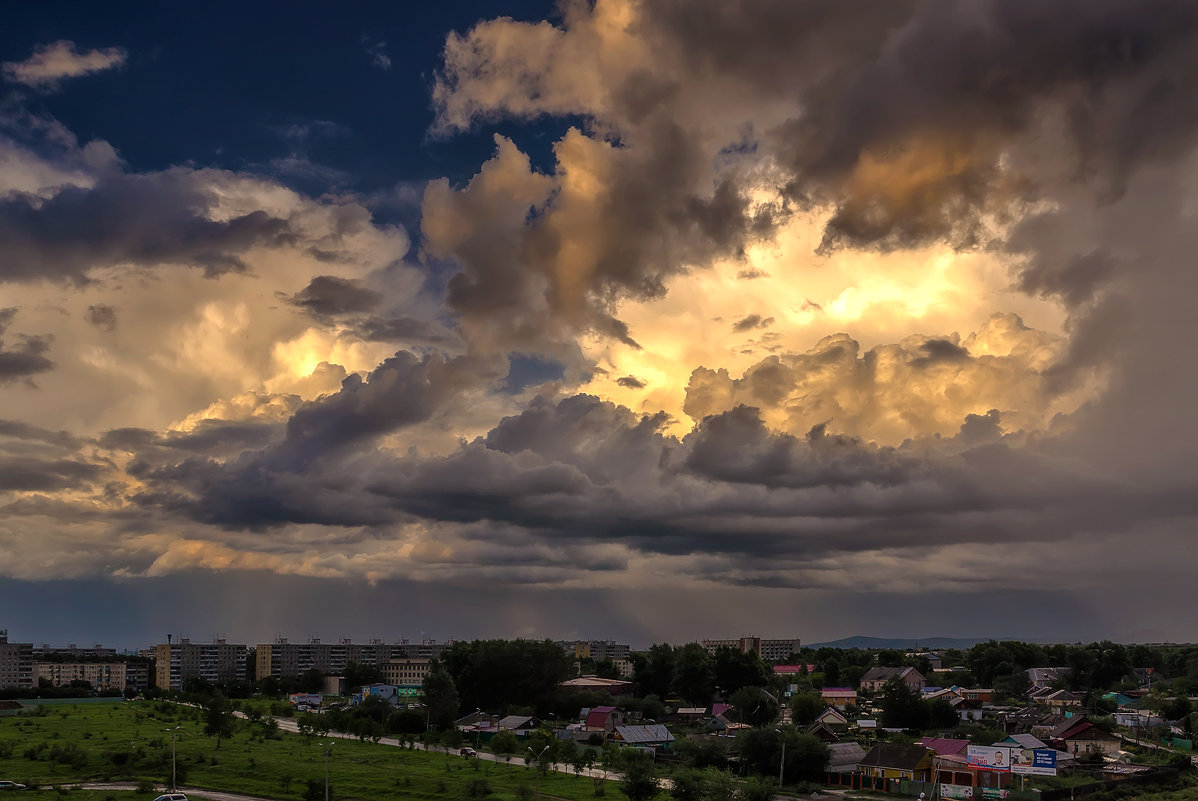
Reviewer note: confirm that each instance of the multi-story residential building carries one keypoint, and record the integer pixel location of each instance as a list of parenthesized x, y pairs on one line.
[(598, 650), (100, 675), (779, 650), (182, 660), (768, 650), (16, 662), (72, 652), (425, 649), (137, 674), (406, 672), (283, 659), (287, 660)]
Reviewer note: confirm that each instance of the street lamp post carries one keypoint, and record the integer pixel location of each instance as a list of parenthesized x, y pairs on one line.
[(328, 749), (537, 766), (174, 731), (782, 761)]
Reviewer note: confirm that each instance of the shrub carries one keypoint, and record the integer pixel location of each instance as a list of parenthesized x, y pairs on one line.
[(478, 788)]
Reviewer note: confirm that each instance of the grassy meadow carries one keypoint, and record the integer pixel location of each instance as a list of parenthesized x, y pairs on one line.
[(131, 742)]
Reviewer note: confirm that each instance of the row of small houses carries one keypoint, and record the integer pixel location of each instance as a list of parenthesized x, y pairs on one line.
[(602, 723), (945, 761)]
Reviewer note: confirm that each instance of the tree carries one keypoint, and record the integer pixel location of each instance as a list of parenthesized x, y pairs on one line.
[(753, 705), (653, 670), (831, 672), (694, 673), (735, 668), (440, 696), (218, 718), (688, 785), (761, 750), (311, 680), (358, 674), (902, 707), (504, 674), (639, 782), (806, 707)]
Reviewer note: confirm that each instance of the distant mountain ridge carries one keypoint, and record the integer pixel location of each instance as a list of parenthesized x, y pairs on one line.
[(900, 642)]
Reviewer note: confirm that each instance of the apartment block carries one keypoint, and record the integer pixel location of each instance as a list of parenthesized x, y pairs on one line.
[(100, 675), (287, 660), (16, 662), (71, 651), (425, 649), (768, 650), (599, 650), (182, 660), (406, 672)]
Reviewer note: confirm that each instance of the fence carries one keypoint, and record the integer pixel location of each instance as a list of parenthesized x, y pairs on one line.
[(912, 789), (1157, 776)]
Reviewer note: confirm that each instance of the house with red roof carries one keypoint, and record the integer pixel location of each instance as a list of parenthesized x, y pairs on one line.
[(945, 746), (602, 718), (1079, 735)]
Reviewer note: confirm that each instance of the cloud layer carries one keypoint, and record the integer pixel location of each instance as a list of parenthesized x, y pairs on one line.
[(805, 298)]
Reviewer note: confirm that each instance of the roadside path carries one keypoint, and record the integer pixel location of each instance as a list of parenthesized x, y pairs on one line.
[(198, 792), (291, 726)]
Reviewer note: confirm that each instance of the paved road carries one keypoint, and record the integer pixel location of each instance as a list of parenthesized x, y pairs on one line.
[(214, 795), (290, 725)]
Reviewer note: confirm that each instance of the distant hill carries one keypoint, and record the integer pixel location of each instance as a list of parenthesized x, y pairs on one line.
[(905, 643)]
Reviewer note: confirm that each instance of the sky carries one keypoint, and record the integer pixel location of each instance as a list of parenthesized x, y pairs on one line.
[(646, 321)]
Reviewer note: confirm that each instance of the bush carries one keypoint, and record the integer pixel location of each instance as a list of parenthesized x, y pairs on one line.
[(146, 786), (478, 788), (314, 790)]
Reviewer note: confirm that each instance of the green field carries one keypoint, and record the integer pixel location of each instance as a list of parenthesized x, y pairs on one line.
[(131, 742)]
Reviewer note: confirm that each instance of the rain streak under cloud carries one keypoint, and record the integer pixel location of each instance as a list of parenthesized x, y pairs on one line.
[(646, 320)]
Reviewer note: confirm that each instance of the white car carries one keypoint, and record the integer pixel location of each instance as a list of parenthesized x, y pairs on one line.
[(7, 785), (171, 797)]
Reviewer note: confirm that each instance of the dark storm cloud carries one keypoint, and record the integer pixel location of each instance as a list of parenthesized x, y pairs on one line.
[(631, 382), (918, 121), (141, 219), (876, 81), (737, 447), (26, 358), (23, 431), (300, 477), (327, 295), (752, 321), (45, 475), (939, 350), (356, 306), (102, 316), (586, 471)]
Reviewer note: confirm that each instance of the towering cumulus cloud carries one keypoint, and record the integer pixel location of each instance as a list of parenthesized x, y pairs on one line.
[(799, 297)]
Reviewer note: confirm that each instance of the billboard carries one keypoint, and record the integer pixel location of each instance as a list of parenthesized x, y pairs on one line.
[(1034, 761), (990, 757), (307, 699)]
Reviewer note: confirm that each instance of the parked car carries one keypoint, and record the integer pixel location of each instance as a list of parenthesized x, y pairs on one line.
[(7, 785), (468, 752), (171, 797)]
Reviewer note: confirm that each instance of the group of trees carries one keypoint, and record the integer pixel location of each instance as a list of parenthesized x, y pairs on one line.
[(695, 676)]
